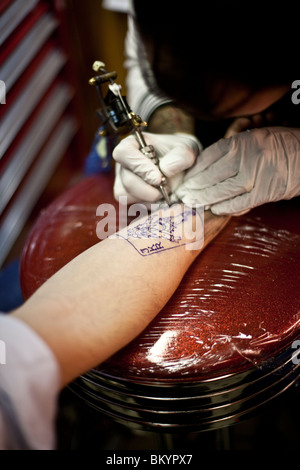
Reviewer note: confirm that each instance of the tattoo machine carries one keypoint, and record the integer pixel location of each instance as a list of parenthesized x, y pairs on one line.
[(117, 118)]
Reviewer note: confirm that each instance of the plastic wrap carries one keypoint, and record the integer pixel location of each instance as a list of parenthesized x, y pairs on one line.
[(63, 230), (237, 306)]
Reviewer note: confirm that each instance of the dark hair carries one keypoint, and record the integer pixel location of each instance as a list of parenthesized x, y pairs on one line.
[(197, 49)]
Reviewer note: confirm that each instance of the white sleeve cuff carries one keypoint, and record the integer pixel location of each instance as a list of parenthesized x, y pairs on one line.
[(29, 388)]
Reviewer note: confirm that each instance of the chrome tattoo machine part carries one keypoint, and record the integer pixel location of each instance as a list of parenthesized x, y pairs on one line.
[(117, 118)]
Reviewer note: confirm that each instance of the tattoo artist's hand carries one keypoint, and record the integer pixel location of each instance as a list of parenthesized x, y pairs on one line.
[(244, 171), (241, 124), (137, 177)]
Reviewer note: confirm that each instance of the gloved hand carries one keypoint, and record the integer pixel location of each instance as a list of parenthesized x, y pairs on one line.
[(137, 177), (244, 171)]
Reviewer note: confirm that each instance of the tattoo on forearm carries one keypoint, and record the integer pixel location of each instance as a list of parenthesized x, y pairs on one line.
[(169, 120), (164, 231)]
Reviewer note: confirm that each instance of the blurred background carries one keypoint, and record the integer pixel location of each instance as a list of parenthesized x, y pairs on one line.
[(48, 120)]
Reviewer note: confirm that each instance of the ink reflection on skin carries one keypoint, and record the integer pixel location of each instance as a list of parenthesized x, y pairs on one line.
[(167, 228)]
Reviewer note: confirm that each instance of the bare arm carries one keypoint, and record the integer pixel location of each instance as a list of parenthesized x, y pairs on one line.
[(107, 295)]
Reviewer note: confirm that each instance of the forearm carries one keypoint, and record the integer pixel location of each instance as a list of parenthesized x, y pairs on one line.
[(106, 296), (168, 119)]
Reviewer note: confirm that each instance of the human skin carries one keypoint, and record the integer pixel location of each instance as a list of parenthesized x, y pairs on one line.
[(107, 295), (170, 119)]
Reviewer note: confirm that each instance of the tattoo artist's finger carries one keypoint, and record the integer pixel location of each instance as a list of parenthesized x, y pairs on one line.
[(177, 160), (127, 153), (138, 188), (236, 206), (210, 155), (220, 171), (238, 125), (119, 190), (243, 123), (214, 194)]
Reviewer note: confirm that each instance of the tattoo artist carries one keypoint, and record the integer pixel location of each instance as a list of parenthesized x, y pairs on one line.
[(216, 84)]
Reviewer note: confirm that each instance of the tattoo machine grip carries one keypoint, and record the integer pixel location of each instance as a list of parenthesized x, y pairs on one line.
[(117, 117), (148, 151)]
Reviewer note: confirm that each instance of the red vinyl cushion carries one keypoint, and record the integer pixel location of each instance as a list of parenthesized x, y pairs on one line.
[(238, 304)]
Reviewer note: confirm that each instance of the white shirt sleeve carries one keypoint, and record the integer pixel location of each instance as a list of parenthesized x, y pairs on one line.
[(140, 98), (29, 388), (116, 5)]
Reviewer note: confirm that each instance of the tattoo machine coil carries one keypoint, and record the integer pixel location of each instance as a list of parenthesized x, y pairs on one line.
[(117, 118)]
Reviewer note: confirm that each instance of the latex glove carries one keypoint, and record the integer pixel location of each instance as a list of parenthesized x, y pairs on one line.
[(137, 177), (244, 171)]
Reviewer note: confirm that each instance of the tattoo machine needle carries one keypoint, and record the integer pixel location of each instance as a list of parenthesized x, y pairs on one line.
[(117, 118)]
